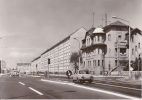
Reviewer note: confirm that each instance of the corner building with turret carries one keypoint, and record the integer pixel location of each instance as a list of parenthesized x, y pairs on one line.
[(105, 49)]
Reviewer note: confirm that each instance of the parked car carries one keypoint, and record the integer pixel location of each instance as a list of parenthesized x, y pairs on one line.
[(82, 76)]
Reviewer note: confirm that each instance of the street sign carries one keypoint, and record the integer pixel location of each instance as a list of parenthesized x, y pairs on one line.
[(69, 73), (131, 69)]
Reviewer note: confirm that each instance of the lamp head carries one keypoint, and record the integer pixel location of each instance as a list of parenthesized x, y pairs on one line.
[(114, 17)]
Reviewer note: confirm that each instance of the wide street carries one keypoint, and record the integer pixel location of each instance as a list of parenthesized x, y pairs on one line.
[(28, 87)]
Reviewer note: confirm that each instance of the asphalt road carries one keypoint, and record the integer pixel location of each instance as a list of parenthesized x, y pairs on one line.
[(27, 87)]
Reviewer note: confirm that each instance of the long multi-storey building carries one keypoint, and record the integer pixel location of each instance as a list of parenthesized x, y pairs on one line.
[(35, 65), (59, 54), (105, 48)]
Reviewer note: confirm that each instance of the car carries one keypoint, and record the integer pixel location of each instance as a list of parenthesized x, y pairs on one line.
[(15, 73), (82, 76)]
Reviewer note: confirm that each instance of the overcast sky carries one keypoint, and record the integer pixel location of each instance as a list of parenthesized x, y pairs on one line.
[(29, 27)]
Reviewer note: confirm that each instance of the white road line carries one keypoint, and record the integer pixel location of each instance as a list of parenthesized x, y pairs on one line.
[(21, 83), (98, 90), (118, 82), (117, 86), (36, 91)]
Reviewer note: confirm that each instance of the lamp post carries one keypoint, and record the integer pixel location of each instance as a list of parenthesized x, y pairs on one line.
[(129, 42), (79, 51)]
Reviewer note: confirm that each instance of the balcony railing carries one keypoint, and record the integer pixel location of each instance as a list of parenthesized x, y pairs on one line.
[(121, 44)]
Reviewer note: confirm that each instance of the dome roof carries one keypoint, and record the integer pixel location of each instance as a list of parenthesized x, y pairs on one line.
[(98, 30)]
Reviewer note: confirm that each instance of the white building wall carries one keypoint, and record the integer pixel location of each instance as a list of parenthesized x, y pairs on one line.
[(137, 38)]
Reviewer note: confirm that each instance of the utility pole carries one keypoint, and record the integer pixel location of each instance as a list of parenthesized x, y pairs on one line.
[(105, 19), (93, 20)]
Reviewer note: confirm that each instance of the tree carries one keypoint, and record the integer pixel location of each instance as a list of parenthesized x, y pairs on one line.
[(74, 58), (126, 64)]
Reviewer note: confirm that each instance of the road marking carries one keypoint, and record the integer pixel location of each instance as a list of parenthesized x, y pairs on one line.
[(117, 86), (36, 91), (94, 89), (21, 83)]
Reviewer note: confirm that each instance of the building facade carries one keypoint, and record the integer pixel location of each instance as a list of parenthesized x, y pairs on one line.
[(3, 68), (24, 67), (136, 46), (35, 65), (105, 48), (59, 54)]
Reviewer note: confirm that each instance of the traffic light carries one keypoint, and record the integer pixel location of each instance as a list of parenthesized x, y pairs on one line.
[(48, 61)]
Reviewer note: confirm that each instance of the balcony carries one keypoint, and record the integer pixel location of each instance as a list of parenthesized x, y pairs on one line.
[(120, 44), (121, 55)]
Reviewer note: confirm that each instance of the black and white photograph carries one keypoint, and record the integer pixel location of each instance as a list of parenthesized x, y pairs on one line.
[(71, 49)]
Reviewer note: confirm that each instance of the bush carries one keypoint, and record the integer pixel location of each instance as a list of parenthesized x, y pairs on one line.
[(137, 76)]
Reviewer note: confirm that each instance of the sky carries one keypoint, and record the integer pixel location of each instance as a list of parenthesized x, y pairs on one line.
[(29, 27)]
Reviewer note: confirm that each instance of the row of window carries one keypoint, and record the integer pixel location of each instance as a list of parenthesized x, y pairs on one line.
[(96, 51), (136, 48), (95, 63)]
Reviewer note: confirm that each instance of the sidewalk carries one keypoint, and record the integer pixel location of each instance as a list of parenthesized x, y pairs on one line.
[(122, 79)]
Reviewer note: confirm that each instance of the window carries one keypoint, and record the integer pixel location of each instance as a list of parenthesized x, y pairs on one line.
[(90, 63), (98, 62), (109, 37), (95, 62), (119, 37), (132, 51), (139, 45), (84, 63), (98, 51), (102, 62), (133, 39), (115, 62), (98, 38), (135, 48)]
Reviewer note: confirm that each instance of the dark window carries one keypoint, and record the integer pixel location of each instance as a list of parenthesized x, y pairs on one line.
[(132, 39), (132, 51), (95, 62), (98, 62), (135, 48), (119, 37), (98, 50), (139, 45), (98, 38), (115, 62), (102, 62)]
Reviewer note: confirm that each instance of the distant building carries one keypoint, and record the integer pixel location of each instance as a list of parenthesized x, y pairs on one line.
[(24, 67), (59, 54), (104, 49), (3, 68)]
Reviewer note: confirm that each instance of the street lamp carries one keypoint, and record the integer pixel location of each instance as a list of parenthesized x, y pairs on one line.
[(79, 51), (129, 42)]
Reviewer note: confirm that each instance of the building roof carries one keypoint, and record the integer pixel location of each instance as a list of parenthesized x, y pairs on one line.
[(35, 59), (116, 23), (66, 38), (21, 64)]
